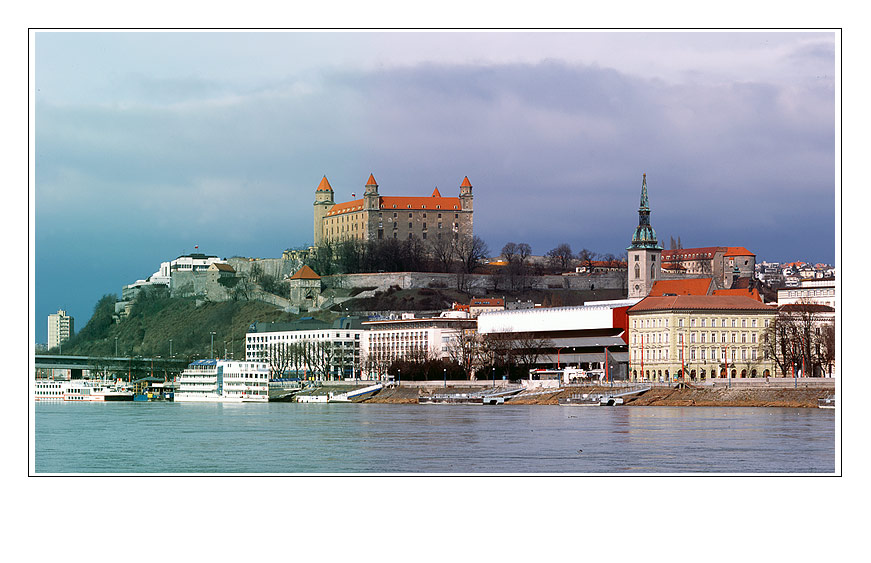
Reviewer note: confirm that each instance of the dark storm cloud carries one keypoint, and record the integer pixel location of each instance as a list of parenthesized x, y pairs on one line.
[(555, 152)]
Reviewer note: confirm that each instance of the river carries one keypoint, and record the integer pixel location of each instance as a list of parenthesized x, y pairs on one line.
[(282, 438)]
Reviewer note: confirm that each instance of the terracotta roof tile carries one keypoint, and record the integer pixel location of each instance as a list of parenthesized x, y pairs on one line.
[(466, 183), (751, 293), (440, 203), (738, 251), (305, 273), (371, 181), (700, 302), (324, 186), (436, 193), (692, 286)]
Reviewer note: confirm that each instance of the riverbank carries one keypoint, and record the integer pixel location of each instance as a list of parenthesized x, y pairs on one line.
[(735, 396)]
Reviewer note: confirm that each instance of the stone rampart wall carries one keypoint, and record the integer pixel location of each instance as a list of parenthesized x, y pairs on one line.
[(475, 283)]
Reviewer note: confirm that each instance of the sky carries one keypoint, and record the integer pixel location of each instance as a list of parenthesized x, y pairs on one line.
[(147, 144)]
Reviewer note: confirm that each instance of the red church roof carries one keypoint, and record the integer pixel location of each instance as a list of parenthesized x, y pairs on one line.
[(691, 286)]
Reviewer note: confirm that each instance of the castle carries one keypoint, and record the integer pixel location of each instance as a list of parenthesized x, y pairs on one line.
[(377, 217)]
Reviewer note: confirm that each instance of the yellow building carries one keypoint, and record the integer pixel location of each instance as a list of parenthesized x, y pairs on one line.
[(702, 336)]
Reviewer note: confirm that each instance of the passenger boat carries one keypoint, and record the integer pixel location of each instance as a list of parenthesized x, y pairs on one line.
[(80, 390), (223, 381)]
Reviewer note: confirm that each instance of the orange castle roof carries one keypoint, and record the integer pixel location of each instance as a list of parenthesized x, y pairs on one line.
[(324, 186), (371, 181), (466, 183), (436, 193), (305, 273)]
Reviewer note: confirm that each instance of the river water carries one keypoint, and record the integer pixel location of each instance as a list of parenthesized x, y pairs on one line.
[(180, 438)]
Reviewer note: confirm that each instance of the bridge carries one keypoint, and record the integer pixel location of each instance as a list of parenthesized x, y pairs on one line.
[(135, 366)]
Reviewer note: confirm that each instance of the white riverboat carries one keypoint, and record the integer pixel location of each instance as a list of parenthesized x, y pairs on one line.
[(223, 381), (80, 390)]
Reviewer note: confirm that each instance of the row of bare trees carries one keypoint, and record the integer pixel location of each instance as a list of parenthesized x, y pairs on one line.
[(449, 254), (312, 357), (802, 337)]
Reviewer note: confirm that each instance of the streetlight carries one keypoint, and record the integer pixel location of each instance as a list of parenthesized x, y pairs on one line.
[(212, 345), (116, 346), (494, 377), (446, 377), (170, 347)]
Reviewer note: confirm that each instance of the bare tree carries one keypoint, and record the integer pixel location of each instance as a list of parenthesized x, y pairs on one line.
[(561, 257), (442, 251), (470, 251), (279, 356), (587, 257), (464, 348)]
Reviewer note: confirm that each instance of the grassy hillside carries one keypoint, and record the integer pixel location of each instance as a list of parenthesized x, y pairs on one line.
[(154, 320)]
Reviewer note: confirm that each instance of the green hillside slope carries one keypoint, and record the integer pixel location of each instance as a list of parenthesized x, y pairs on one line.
[(155, 320)]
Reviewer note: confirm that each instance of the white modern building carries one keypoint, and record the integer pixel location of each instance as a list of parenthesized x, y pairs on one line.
[(308, 348), (579, 336), (414, 339), (60, 328)]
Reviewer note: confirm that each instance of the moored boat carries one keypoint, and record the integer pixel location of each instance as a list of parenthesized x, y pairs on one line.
[(223, 381), (827, 402), (80, 390)]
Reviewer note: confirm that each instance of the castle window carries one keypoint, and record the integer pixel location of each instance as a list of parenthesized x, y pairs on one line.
[(409, 215), (409, 225), (438, 207)]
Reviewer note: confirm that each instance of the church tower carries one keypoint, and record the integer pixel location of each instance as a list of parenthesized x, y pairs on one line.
[(323, 203), (644, 253)]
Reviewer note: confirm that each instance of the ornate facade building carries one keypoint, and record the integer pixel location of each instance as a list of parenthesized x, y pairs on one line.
[(377, 217)]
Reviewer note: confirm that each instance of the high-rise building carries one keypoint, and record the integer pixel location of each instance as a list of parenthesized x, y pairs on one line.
[(60, 328)]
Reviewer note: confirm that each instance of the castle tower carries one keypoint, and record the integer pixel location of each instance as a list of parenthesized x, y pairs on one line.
[(371, 199), (466, 194), (323, 203), (644, 253)]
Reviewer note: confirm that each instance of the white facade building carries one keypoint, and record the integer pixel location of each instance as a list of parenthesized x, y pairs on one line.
[(60, 328), (308, 349), (821, 292), (412, 339)]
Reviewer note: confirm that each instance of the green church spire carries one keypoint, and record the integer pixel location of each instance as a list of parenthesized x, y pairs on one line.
[(645, 236)]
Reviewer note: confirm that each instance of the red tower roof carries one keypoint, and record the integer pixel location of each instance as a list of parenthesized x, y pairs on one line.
[(324, 186)]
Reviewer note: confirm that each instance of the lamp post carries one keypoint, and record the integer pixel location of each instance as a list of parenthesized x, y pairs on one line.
[(494, 377), (446, 377), (116, 346), (212, 345), (170, 347), (557, 356)]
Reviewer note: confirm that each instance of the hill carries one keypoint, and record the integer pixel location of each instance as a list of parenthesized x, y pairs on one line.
[(154, 320)]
